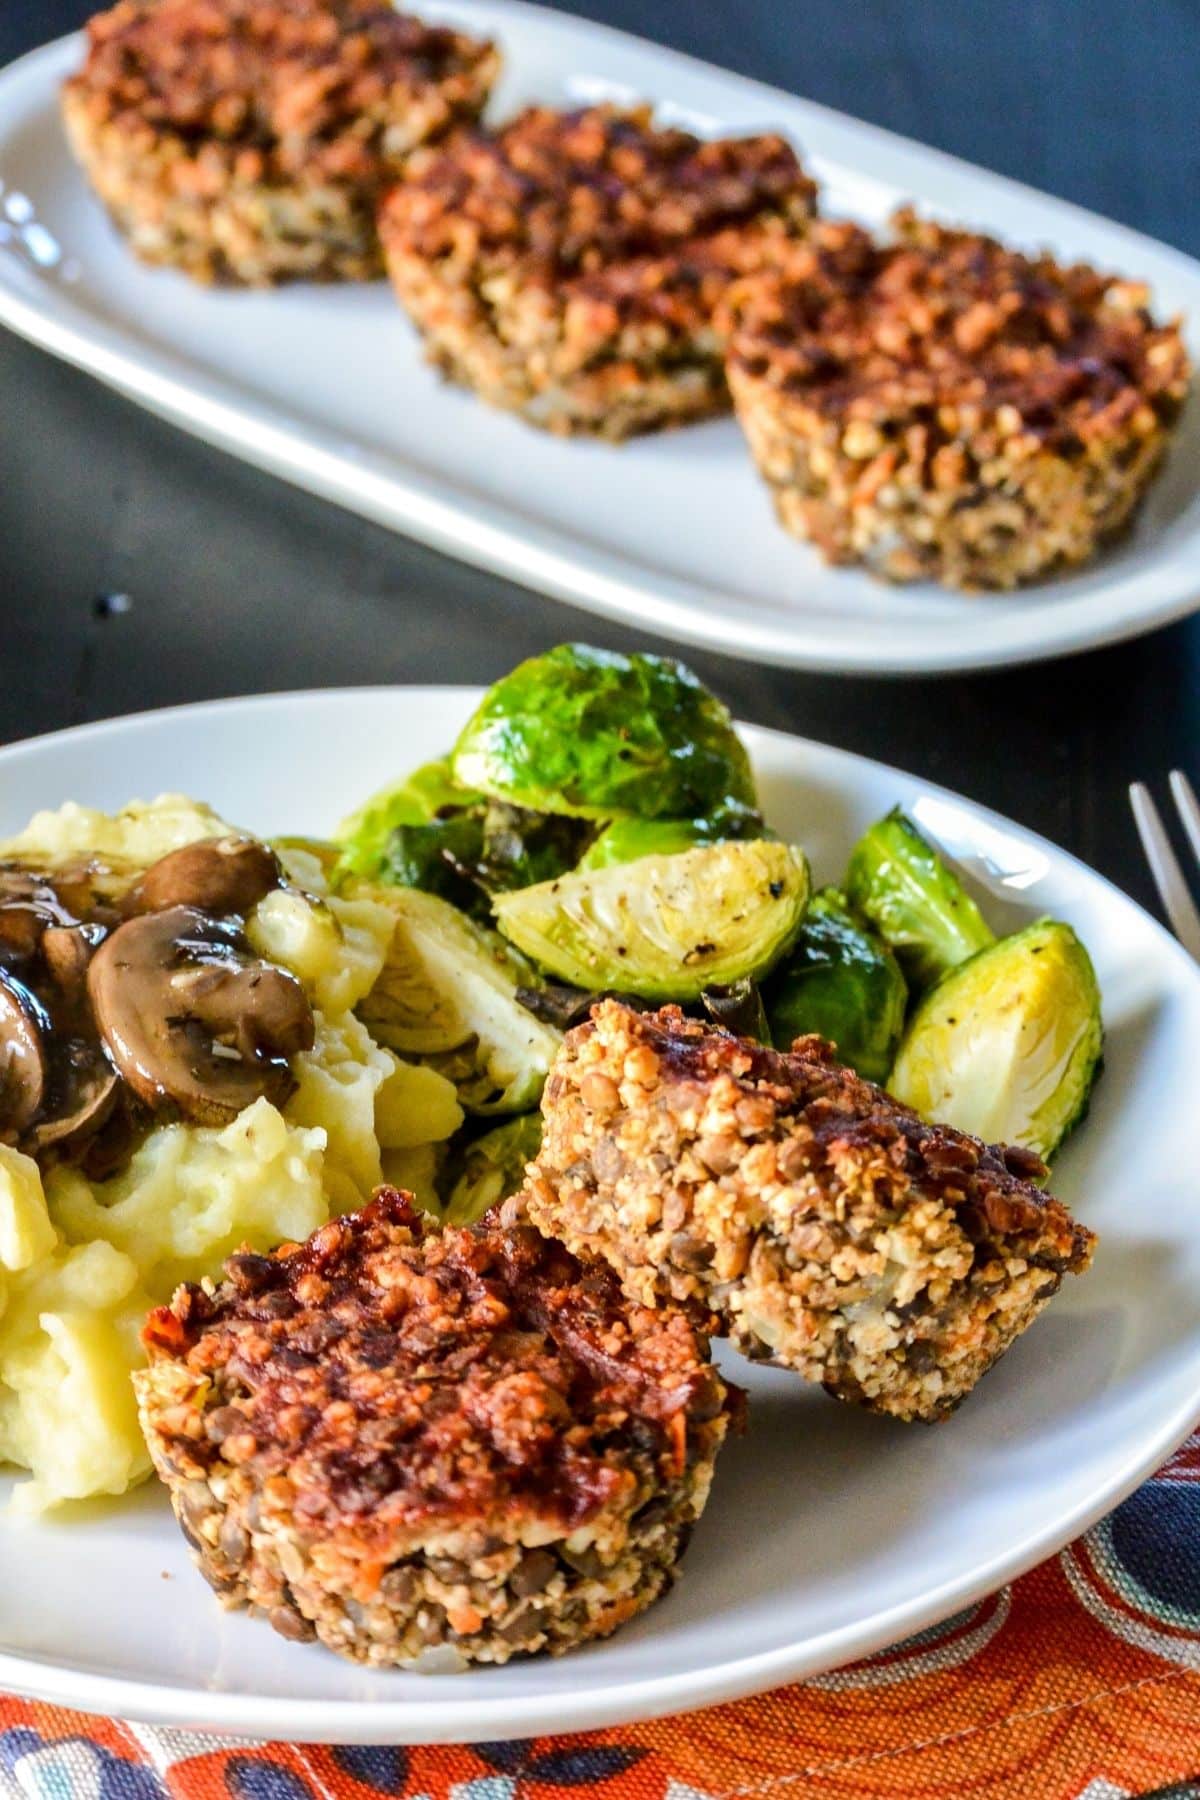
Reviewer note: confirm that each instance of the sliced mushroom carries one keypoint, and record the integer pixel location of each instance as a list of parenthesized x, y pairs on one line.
[(192, 1020), (28, 905), (110, 1147), (21, 929), (90, 890), (81, 1093), (217, 876), (22, 1057), (66, 951)]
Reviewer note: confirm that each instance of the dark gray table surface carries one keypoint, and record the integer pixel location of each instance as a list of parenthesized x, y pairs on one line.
[(239, 583)]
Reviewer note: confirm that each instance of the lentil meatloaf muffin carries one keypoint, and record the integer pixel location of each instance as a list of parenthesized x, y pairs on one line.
[(940, 406), (568, 267), (249, 141), (823, 1223), (430, 1448)]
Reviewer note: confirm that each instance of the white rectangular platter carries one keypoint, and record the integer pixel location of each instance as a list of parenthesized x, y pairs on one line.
[(326, 387)]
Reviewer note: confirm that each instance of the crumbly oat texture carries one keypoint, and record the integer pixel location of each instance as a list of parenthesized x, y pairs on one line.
[(248, 141), (568, 267), (941, 407), (821, 1222), (430, 1449)]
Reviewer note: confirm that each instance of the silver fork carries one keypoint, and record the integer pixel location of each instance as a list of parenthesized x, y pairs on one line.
[(1169, 878)]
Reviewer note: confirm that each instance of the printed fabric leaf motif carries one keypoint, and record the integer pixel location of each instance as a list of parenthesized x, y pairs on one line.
[(584, 1767), (256, 1778), (510, 1757), (383, 1767), (49, 1768), (18, 1742), (123, 1780)]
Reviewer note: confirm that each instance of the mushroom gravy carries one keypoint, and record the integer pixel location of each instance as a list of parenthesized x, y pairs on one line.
[(129, 997)]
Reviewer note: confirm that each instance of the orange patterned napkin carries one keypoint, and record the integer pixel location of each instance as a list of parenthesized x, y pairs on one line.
[(1079, 1682)]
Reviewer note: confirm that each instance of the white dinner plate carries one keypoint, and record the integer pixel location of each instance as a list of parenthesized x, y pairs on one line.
[(674, 533), (830, 1533)]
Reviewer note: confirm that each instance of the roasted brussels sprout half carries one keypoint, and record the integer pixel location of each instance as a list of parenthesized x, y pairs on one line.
[(901, 886), (666, 927), (595, 734), (627, 840), (1007, 1046), (492, 1168), (839, 979), (448, 996), (429, 793)]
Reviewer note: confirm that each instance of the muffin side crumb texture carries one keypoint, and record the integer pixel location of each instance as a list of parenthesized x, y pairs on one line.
[(249, 141), (568, 267), (942, 407), (430, 1449), (822, 1223)]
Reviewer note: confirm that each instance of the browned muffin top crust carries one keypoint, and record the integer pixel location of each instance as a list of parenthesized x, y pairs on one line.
[(839, 1122), (953, 325), (826, 1225), (848, 1120), (572, 193), (301, 79), (399, 1378)]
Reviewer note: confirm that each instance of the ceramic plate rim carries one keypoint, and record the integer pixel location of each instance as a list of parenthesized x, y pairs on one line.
[(440, 1719), (547, 557)]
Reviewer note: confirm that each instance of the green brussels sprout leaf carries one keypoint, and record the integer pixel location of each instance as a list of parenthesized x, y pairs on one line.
[(430, 834), (840, 980), (436, 857), (448, 996), (626, 840), (901, 886), (492, 1168), (1007, 1046), (423, 796), (596, 734), (665, 927)]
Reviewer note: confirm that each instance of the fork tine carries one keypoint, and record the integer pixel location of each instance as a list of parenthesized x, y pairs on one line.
[(1173, 890), (1188, 807)]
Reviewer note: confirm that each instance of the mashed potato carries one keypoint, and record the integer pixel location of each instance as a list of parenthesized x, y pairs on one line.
[(137, 835), (69, 1322), (81, 1261)]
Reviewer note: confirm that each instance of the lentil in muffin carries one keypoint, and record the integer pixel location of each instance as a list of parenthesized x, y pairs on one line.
[(249, 140), (795, 1207), (568, 267), (940, 406), (431, 1448)]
